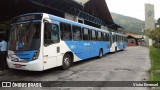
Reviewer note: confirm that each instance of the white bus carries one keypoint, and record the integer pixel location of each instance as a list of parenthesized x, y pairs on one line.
[(40, 41)]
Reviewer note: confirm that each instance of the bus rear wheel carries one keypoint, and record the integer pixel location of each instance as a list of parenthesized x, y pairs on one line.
[(66, 61), (100, 53)]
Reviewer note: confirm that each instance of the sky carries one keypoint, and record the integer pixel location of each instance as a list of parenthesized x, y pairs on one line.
[(133, 8)]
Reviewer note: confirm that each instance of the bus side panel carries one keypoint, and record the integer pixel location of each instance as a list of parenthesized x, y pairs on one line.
[(125, 44), (113, 47), (79, 48), (87, 49), (94, 48), (106, 47), (50, 56), (119, 46), (97, 45)]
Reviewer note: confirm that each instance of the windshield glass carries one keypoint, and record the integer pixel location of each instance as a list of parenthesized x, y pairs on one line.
[(25, 36)]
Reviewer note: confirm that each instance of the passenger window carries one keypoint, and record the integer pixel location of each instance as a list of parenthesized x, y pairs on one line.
[(107, 37), (114, 36), (86, 35), (103, 36), (94, 37), (99, 36), (51, 34), (66, 33), (77, 35)]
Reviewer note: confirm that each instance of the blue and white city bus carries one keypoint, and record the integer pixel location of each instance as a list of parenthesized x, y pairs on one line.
[(118, 42), (40, 41)]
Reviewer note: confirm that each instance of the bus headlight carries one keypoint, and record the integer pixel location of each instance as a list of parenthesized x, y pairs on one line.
[(36, 55)]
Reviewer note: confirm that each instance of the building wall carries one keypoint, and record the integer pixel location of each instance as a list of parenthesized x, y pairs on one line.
[(149, 21), (71, 17), (104, 28), (4, 30), (149, 16), (132, 42)]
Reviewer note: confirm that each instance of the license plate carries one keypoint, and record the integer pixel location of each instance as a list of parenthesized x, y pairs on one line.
[(18, 66)]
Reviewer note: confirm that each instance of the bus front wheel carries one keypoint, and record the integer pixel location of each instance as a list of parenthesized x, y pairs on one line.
[(66, 61)]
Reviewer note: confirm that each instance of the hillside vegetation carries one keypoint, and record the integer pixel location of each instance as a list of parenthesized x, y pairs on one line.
[(129, 24)]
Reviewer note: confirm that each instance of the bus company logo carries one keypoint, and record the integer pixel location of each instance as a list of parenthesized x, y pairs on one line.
[(6, 84)]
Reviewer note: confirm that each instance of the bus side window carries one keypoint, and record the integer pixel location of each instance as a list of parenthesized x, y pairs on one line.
[(93, 35), (51, 34), (86, 35), (77, 34), (66, 33), (114, 37), (99, 36), (108, 37), (103, 36)]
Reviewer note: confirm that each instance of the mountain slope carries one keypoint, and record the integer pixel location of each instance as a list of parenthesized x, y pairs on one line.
[(129, 24)]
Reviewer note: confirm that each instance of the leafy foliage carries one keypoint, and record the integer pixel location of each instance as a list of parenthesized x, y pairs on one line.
[(154, 35), (129, 24)]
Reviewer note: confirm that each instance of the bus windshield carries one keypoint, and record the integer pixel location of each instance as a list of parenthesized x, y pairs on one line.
[(25, 36)]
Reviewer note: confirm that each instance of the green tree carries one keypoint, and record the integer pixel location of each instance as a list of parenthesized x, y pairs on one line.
[(154, 35), (158, 21)]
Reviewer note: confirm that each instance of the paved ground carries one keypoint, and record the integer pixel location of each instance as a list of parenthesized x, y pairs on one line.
[(129, 65)]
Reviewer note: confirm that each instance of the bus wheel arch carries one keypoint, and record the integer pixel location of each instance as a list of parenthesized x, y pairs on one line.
[(72, 57), (67, 60)]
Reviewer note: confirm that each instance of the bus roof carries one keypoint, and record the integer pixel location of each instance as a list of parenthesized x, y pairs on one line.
[(52, 17)]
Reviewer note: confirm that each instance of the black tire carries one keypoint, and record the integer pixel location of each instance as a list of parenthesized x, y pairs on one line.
[(115, 49), (100, 53), (66, 61)]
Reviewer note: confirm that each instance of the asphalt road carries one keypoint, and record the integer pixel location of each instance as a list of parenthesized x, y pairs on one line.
[(131, 64)]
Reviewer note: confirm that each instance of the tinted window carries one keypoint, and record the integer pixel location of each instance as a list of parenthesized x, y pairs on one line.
[(65, 31), (94, 37), (86, 34), (107, 36), (99, 36), (51, 34), (77, 33), (114, 38), (103, 36)]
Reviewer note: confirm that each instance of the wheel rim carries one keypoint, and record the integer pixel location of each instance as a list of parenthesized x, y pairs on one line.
[(100, 53), (66, 61)]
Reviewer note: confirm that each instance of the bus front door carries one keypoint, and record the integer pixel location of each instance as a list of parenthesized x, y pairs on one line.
[(51, 48)]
